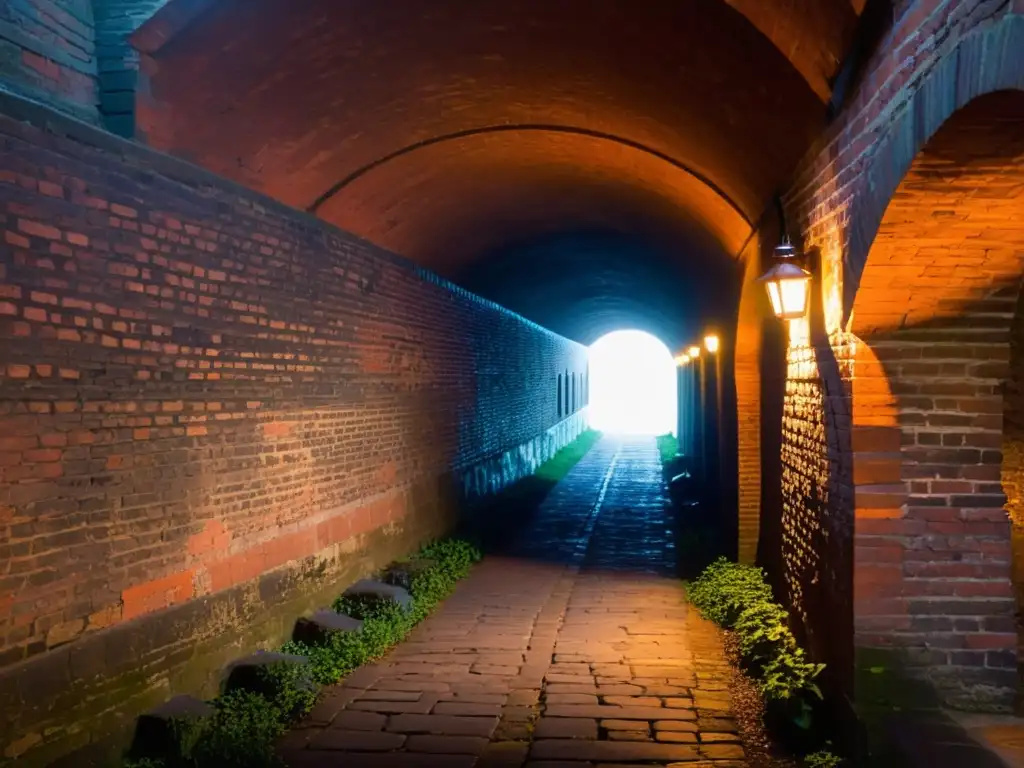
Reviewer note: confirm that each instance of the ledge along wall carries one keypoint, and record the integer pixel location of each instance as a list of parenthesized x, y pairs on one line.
[(215, 413)]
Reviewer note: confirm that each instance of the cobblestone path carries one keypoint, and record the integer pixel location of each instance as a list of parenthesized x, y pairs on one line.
[(573, 649)]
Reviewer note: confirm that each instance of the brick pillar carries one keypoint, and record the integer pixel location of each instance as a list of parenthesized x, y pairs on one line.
[(118, 62)]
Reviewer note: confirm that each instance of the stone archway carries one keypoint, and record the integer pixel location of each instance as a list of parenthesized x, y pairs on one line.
[(931, 321)]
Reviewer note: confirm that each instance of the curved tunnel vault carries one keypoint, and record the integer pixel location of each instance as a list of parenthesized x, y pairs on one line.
[(453, 132), (591, 164)]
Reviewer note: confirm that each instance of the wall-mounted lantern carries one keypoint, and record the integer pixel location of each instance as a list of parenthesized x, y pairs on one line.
[(682, 359), (711, 343), (693, 351), (788, 284)]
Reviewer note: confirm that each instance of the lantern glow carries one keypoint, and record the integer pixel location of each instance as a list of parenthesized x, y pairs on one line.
[(788, 285)]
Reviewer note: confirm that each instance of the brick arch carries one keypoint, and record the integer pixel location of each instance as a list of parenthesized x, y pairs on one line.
[(931, 313), (986, 61)]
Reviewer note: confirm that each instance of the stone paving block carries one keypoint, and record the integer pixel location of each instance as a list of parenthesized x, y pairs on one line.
[(688, 726), (603, 712), (523, 697), (627, 735), (633, 701), (570, 698), (711, 738), (678, 703), (565, 728), (446, 745), (443, 725), (331, 759), (467, 709), (421, 706), (391, 684), (386, 695), (722, 751), (359, 721), (587, 690), (611, 751), (356, 741), (520, 731), (717, 725), (676, 737), (475, 698), (624, 725)]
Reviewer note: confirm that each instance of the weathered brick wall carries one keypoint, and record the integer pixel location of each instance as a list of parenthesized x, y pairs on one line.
[(199, 386), (816, 529), (47, 52), (1012, 468), (918, 583)]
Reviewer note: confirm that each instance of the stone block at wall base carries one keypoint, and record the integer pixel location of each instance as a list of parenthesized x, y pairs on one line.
[(78, 704)]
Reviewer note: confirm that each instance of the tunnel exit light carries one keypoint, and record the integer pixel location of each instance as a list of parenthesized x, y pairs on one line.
[(633, 385)]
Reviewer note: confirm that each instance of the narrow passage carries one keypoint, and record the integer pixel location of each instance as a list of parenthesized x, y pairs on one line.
[(572, 649)]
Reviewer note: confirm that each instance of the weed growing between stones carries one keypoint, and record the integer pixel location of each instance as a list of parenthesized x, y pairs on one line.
[(737, 598), (245, 724)]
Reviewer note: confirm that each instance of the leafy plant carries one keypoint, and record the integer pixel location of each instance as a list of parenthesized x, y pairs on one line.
[(737, 597), (241, 733), (762, 629), (726, 589), (823, 759), (291, 688)]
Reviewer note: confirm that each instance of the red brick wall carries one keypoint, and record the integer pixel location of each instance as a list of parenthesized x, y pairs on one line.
[(198, 386), (47, 52), (915, 587)]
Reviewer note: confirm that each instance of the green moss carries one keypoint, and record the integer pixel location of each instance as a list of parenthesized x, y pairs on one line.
[(558, 466), (668, 446)]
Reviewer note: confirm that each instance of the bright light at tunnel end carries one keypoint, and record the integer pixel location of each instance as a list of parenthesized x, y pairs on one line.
[(632, 384)]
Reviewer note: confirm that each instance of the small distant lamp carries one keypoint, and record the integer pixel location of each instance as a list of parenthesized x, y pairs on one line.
[(693, 351), (788, 285), (711, 343), (682, 360)]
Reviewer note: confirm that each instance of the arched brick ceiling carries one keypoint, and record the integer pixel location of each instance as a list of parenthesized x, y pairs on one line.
[(446, 130), (293, 97)]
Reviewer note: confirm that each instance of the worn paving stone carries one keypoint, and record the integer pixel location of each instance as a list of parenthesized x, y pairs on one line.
[(447, 745), (573, 648), (356, 741), (612, 751), (565, 728), (443, 725)]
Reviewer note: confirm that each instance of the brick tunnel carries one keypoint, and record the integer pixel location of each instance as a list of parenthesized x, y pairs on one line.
[(286, 289)]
